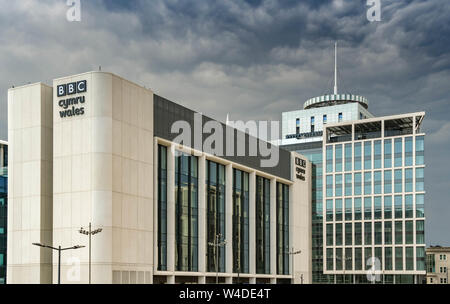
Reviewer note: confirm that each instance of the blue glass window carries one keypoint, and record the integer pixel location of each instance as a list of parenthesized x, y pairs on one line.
[(388, 153), (420, 179), (358, 155), (367, 155), (420, 150), (398, 147)]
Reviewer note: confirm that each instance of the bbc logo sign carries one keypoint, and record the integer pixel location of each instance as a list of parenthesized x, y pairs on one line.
[(72, 88), (300, 162)]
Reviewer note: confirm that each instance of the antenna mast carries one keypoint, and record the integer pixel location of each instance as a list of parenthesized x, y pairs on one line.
[(335, 69)]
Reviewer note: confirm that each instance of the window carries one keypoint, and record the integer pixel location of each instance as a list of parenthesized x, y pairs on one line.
[(408, 151), (358, 183), (420, 258), (348, 157), (348, 209), (325, 119), (398, 181), (338, 234), (357, 208), (297, 126), (348, 259), (408, 180), (340, 117), (398, 232), (338, 258), (262, 211), (368, 233), (338, 185), (338, 158), (367, 256), (377, 182), (241, 220), (388, 207), (419, 179), (329, 159), (348, 234), (329, 234), (409, 232), (338, 209), (282, 226), (409, 206), (215, 221), (186, 212), (420, 205), (358, 258), (420, 232), (368, 183), (398, 148), (329, 185), (358, 156), (388, 258), (420, 150), (367, 208), (388, 233), (312, 124), (348, 184), (388, 153), (409, 258), (377, 154), (377, 205), (330, 259), (388, 181), (398, 258), (329, 210), (398, 202), (367, 155), (358, 234), (378, 233), (162, 208)]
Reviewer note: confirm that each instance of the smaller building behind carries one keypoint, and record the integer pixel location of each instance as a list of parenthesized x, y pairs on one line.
[(438, 262)]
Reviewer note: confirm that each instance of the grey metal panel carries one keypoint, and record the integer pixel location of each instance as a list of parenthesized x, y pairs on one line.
[(303, 146), (167, 112)]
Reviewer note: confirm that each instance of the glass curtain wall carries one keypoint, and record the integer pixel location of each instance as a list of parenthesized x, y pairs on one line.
[(240, 221), (186, 212), (215, 204)]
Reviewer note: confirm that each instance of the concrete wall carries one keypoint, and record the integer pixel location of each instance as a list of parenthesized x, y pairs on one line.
[(30, 187), (300, 222), (103, 174)]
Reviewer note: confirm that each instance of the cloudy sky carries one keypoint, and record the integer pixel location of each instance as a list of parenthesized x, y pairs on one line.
[(252, 59)]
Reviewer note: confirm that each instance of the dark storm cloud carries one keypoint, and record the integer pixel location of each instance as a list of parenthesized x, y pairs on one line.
[(252, 59)]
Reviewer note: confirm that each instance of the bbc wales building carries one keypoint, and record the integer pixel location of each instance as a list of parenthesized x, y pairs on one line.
[(96, 148)]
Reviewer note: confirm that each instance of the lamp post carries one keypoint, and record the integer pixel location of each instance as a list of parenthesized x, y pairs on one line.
[(59, 249), (90, 233), (292, 253), (217, 243)]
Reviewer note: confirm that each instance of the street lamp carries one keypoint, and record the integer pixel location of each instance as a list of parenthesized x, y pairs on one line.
[(90, 233), (59, 249), (292, 253), (217, 243)]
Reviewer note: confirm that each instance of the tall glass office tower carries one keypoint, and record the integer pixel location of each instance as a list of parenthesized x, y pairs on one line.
[(374, 200), (302, 132)]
